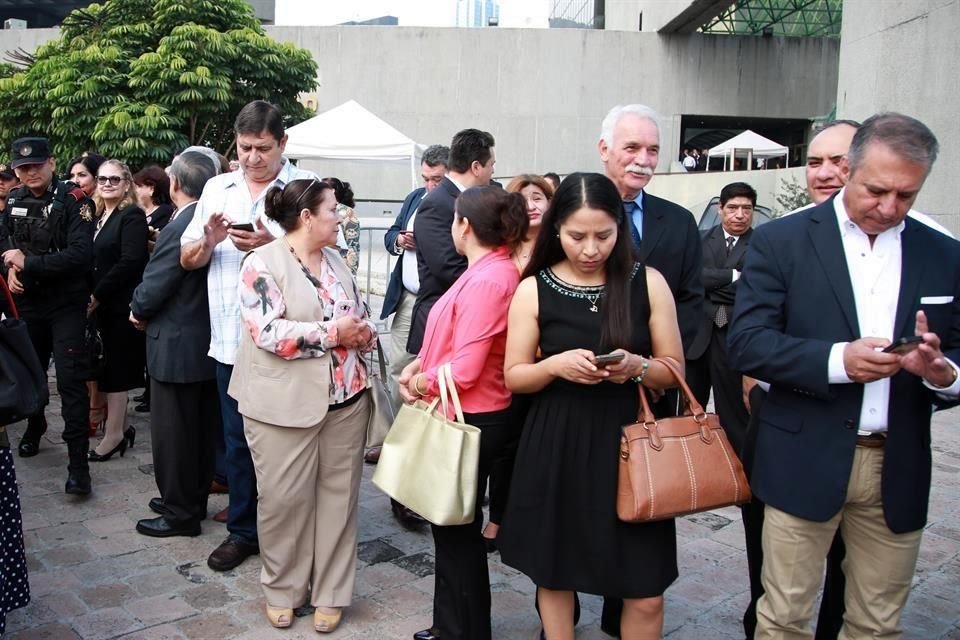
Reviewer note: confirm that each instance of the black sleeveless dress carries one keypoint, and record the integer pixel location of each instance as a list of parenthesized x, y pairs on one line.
[(561, 527)]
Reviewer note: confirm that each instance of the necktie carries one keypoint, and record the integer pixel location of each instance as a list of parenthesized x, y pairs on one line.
[(732, 240), (628, 208)]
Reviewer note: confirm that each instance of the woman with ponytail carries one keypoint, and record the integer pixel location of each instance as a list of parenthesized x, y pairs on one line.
[(300, 382), (467, 328)]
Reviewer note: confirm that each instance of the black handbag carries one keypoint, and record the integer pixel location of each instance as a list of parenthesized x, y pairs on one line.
[(23, 381)]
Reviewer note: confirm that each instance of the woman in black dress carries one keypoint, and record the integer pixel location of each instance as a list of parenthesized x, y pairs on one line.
[(584, 295), (119, 256)]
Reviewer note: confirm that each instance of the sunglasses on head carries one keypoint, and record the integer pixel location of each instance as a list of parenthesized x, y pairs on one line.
[(114, 180), (296, 205)]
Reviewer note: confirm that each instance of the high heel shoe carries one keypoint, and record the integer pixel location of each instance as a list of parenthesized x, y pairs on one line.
[(130, 435), (96, 425), (326, 622), (280, 617), (121, 448)]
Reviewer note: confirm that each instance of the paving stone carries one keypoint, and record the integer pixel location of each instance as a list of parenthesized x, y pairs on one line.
[(106, 596), (47, 632), (159, 609), (419, 564)]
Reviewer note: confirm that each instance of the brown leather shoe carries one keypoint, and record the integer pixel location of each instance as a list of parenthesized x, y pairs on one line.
[(221, 516), (217, 487), (372, 456), (231, 553), (408, 518)]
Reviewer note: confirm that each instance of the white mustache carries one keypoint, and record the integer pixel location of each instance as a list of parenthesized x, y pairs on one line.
[(644, 171)]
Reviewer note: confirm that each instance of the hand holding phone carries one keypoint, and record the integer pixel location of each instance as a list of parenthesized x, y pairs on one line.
[(607, 359), (242, 226), (343, 308), (903, 346)]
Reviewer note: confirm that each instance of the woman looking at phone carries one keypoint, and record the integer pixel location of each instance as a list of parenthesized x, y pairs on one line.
[(300, 381), (583, 296)]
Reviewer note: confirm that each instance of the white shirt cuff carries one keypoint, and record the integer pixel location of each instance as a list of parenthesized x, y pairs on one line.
[(736, 275), (951, 392), (836, 372), (764, 385)]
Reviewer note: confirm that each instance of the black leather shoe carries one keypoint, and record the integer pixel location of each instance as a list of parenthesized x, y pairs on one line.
[(28, 448), (78, 483), (156, 505), (160, 527), (426, 634), (230, 554), (143, 407), (141, 397), (407, 517)]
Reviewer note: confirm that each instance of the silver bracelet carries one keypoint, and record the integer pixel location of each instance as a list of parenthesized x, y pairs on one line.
[(644, 366)]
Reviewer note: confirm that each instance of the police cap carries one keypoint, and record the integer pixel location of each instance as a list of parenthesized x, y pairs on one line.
[(29, 151)]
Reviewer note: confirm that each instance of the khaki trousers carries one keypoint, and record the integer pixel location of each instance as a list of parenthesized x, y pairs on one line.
[(308, 481), (879, 565), (399, 332)]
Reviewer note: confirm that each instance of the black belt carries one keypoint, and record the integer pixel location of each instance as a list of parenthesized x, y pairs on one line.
[(872, 441), (346, 403)]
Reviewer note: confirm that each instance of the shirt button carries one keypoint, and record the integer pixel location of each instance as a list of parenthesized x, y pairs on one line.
[(872, 411)]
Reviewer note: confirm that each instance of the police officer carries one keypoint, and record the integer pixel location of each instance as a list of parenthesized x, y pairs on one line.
[(46, 230)]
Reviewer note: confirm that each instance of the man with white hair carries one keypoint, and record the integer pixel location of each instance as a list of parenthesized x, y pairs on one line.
[(665, 235)]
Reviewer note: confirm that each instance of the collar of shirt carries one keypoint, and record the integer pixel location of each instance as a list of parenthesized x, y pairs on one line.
[(283, 176), (457, 184), (727, 236), (173, 216), (848, 226)]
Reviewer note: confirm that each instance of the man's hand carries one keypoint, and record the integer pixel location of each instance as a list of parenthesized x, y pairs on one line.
[(216, 229), (747, 384), (250, 240), (927, 361), (13, 280), (406, 241), (865, 361), (138, 324), (92, 305), (13, 258)]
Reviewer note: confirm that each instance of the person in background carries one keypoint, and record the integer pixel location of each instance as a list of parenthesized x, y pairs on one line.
[(83, 172), (467, 329), (153, 194), (553, 178), (119, 256), (300, 381), (584, 295), (170, 306), (348, 238), (8, 182)]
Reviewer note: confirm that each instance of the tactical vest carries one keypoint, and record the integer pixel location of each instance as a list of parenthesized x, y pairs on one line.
[(39, 224)]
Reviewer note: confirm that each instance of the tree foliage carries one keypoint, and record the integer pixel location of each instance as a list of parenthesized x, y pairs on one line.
[(141, 79)]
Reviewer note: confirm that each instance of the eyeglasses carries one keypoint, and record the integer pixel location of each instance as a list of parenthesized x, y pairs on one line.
[(114, 180), (296, 205)]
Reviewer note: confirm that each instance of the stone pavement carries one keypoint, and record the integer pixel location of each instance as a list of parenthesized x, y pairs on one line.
[(92, 576)]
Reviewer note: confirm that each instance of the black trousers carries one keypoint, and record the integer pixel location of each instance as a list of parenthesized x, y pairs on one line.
[(727, 391), (461, 597), (184, 419), (831, 605), (57, 327)]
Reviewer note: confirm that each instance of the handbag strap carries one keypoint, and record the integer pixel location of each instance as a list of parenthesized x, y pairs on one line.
[(447, 372), (646, 415), (13, 306), (383, 368)]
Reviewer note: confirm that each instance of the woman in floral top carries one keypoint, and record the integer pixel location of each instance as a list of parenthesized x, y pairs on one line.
[(300, 382), (349, 222)]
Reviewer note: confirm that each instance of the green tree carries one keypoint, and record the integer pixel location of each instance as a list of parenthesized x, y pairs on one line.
[(141, 79)]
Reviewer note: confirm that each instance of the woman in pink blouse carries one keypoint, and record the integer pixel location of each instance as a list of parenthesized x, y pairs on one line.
[(467, 328), (300, 382)]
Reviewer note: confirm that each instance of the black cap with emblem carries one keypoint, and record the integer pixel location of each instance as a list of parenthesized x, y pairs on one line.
[(7, 173), (29, 151)]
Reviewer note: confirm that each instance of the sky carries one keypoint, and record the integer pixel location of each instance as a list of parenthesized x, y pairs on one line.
[(410, 13)]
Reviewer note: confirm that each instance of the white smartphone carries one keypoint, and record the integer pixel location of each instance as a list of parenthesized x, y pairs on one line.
[(342, 308)]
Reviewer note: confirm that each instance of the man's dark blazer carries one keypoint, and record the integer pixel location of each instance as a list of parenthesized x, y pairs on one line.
[(395, 288), (438, 263), (670, 244), (173, 302), (794, 301), (718, 285)]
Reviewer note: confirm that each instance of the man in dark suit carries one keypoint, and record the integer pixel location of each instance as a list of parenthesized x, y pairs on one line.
[(404, 281), (724, 250), (472, 160), (844, 434), (666, 236), (170, 304)]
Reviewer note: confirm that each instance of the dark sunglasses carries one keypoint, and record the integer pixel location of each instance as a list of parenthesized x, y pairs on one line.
[(114, 180)]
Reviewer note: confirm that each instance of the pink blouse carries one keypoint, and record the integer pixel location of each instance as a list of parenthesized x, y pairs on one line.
[(467, 327)]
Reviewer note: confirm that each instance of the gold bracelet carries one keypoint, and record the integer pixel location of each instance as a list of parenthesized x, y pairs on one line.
[(416, 385)]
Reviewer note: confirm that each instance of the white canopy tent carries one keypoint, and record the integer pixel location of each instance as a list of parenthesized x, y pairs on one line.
[(749, 144), (350, 132)]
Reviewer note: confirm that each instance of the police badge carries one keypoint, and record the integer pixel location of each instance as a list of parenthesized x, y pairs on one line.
[(26, 150), (86, 212)]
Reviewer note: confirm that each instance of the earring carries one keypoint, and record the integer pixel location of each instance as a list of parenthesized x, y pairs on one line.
[(558, 235)]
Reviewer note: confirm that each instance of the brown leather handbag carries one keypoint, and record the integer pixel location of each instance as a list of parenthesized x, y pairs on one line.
[(675, 466)]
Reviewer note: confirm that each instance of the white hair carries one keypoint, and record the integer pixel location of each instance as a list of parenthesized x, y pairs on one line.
[(614, 115), (208, 152)]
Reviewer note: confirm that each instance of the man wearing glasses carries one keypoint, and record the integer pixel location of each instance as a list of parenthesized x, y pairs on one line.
[(47, 236)]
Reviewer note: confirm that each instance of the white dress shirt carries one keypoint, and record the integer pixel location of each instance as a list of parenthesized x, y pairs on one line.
[(875, 276)]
